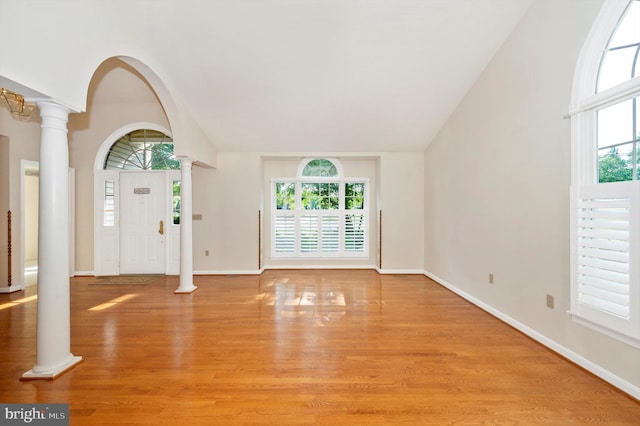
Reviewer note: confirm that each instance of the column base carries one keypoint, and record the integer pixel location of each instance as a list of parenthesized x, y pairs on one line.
[(185, 290), (52, 373)]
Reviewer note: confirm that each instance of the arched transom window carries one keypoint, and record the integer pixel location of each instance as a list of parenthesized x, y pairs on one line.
[(142, 149), (618, 123)]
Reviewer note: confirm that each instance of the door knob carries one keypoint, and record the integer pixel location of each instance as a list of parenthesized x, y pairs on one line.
[(161, 230)]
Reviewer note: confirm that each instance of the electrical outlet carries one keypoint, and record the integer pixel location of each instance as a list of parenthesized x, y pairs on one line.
[(549, 301), (490, 278), (206, 252)]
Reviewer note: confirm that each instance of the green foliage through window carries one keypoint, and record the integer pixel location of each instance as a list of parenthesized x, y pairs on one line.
[(320, 196), (354, 196), (320, 168), (176, 202), (285, 195), (142, 149), (612, 167)]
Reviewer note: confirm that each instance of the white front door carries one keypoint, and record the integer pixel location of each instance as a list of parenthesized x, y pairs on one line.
[(143, 223)]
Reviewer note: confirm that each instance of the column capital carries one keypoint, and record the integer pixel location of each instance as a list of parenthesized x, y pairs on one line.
[(50, 102), (53, 114), (185, 162)]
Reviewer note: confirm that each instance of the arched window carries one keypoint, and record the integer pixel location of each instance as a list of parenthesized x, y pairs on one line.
[(319, 213), (618, 123), (320, 167), (605, 201), (142, 149)]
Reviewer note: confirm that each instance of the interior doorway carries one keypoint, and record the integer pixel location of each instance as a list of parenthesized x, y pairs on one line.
[(31, 185), (30, 207)]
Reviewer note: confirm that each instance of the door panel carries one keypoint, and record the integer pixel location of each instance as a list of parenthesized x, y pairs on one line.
[(143, 224)]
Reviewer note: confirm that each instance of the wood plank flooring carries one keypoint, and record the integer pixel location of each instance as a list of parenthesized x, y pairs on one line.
[(299, 347)]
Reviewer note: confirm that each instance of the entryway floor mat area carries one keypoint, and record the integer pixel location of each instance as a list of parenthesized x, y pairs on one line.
[(126, 279)]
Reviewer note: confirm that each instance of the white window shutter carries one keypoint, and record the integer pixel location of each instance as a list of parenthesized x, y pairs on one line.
[(309, 233), (354, 232), (330, 233), (285, 233), (606, 248)]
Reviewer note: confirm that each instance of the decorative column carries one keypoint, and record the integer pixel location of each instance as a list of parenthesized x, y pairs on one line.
[(53, 339), (186, 228)]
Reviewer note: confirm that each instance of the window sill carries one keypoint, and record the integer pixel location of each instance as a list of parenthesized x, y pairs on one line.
[(629, 340)]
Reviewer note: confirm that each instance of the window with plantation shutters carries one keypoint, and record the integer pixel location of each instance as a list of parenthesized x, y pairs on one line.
[(319, 213), (603, 257), (605, 213)]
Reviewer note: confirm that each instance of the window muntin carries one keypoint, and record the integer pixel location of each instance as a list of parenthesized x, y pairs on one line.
[(320, 196), (142, 149), (620, 59)]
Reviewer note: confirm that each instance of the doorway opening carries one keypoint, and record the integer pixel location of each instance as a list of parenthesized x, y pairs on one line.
[(30, 197)]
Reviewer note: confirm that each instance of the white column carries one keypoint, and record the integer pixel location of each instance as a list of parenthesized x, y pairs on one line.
[(53, 339), (186, 228)]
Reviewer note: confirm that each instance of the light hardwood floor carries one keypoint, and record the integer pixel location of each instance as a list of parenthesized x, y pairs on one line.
[(325, 347)]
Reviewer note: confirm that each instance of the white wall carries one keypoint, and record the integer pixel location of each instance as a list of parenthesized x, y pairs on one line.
[(228, 198), (497, 186), (402, 204)]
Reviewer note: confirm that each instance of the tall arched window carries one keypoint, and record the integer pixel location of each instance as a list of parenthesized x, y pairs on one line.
[(319, 213), (605, 201)]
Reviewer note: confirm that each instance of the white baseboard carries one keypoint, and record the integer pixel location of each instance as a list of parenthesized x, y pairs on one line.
[(11, 289), (297, 266), (400, 271), (578, 359), (228, 272)]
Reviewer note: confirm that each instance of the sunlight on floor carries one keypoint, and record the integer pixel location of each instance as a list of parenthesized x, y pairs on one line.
[(112, 302), (18, 302)]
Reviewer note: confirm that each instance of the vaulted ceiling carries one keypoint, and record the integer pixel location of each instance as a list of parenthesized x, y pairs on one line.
[(334, 75)]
